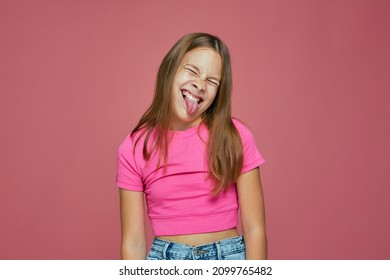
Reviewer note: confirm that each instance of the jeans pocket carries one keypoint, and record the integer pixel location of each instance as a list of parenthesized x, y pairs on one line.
[(154, 255)]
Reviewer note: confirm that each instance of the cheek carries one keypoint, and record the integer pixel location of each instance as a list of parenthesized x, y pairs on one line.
[(181, 78), (213, 95), (211, 99)]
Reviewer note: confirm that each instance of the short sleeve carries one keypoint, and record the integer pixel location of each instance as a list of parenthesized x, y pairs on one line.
[(128, 174), (252, 156)]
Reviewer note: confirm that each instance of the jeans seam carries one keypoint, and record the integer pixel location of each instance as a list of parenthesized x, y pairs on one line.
[(218, 247), (166, 245)]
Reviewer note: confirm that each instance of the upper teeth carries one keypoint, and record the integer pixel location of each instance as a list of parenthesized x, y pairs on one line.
[(190, 97)]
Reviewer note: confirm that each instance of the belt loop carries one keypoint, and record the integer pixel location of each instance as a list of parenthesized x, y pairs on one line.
[(166, 245), (219, 253)]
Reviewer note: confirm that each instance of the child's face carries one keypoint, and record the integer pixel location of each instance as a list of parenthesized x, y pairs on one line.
[(195, 86)]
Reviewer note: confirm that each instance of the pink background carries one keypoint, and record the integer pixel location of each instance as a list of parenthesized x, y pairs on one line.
[(311, 79)]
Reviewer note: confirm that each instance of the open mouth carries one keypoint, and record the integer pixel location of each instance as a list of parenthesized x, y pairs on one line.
[(188, 95), (192, 102)]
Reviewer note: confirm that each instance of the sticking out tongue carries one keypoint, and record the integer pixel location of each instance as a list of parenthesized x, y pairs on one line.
[(192, 106)]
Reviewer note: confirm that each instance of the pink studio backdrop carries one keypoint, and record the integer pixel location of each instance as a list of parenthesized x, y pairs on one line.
[(310, 80)]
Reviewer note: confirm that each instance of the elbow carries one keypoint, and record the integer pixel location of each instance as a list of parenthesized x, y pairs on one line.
[(253, 229)]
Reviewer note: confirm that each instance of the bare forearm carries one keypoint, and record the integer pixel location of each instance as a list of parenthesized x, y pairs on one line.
[(256, 246), (135, 251)]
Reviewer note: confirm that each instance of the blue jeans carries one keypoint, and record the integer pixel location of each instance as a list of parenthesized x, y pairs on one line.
[(226, 249)]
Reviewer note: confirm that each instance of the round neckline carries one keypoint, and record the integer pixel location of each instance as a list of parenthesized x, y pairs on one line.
[(187, 132)]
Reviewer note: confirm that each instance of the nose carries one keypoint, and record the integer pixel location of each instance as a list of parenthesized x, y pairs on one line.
[(198, 84)]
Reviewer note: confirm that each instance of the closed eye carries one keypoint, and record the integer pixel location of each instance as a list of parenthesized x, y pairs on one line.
[(214, 83), (191, 70)]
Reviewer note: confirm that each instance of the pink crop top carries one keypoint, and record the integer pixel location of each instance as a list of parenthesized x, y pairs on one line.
[(179, 201)]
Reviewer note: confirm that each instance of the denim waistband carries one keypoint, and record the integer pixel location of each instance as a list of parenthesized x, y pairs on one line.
[(218, 248)]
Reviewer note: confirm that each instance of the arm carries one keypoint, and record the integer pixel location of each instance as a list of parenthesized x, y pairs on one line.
[(133, 242), (250, 197)]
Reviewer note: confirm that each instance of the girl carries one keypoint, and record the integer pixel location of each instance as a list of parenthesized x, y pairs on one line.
[(193, 163)]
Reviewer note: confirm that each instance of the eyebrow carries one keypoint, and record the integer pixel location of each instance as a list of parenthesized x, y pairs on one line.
[(197, 69)]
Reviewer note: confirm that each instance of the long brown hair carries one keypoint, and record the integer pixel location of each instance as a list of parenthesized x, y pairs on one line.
[(225, 150)]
